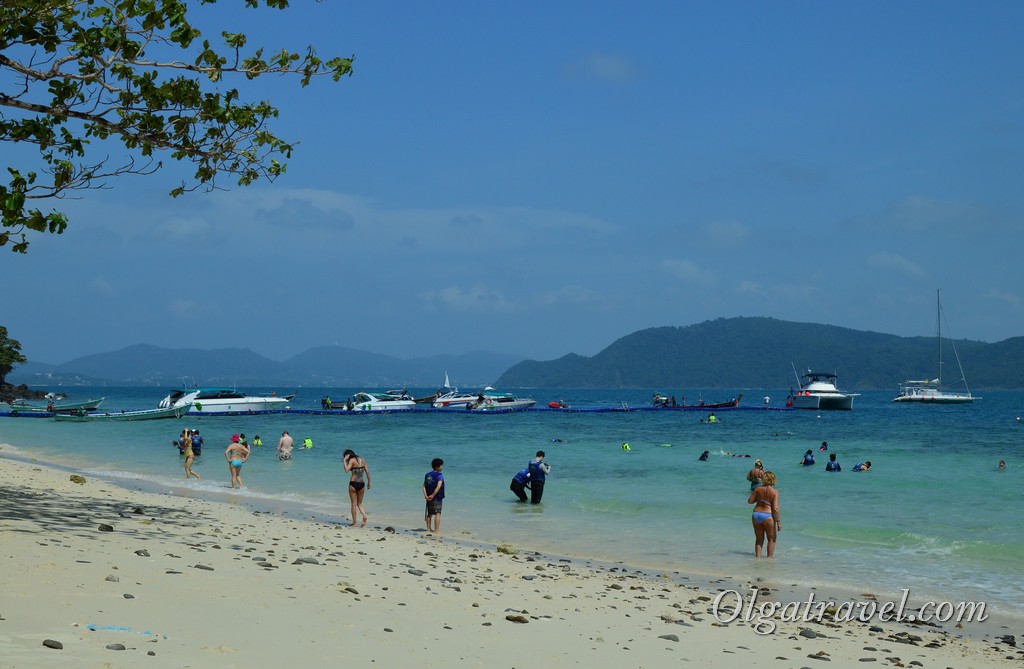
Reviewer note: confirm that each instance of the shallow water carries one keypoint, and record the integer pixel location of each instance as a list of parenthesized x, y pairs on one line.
[(934, 515)]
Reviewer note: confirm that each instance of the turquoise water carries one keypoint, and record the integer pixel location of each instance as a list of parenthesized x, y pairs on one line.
[(934, 515)]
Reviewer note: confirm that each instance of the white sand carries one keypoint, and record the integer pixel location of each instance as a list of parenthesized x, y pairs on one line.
[(221, 586)]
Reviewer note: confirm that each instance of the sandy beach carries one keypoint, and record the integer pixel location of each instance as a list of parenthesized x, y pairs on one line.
[(95, 575)]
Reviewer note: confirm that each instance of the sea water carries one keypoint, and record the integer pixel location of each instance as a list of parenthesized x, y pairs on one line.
[(934, 515)]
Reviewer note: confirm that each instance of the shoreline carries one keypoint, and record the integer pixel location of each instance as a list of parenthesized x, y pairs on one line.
[(220, 578)]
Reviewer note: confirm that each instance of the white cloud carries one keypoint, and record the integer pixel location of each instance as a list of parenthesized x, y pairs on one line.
[(571, 295), (727, 232), (100, 285), (1004, 296), (687, 270), (750, 288), (474, 298), (603, 67), (896, 263)]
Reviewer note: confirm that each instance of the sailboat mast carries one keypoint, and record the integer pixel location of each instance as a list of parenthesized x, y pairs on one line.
[(938, 331)]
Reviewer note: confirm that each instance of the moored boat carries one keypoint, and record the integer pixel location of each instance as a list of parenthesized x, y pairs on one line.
[(489, 400), (82, 416), (818, 391), (54, 406), (929, 391), (662, 402), (224, 400), (364, 401)]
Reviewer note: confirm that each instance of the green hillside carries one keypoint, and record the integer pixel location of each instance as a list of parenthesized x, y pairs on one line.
[(760, 352)]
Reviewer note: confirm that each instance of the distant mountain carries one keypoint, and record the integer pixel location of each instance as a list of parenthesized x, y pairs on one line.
[(736, 353), (728, 353), (327, 366)]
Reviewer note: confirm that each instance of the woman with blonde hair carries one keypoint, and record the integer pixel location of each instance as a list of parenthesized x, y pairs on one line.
[(755, 475), (766, 519), (185, 441)]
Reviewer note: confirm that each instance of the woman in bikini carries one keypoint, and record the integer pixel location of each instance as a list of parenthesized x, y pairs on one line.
[(186, 440), (236, 454), (767, 520), (358, 484)]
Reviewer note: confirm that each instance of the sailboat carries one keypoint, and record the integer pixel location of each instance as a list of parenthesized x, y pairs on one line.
[(929, 391)]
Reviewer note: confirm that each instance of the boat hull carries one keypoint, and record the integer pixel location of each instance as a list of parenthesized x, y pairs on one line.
[(145, 414), (934, 398), (240, 405), (57, 407), (830, 402)]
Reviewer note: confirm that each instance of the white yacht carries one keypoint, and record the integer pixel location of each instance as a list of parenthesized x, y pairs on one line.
[(818, 391), (929, 391), (223, 400), (486, 400), (364, 401)]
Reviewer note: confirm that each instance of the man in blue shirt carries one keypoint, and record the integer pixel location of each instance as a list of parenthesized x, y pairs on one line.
[(433, 492), (538, 470)]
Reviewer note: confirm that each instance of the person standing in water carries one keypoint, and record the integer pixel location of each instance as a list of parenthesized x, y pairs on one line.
[(433, 492), (284, 446), (236, 454), (358, 484), (538, 471), (766, 519), (756, 474), (520, 483), (190, 456)]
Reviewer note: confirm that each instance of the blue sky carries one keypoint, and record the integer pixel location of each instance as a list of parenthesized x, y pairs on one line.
[(542, 178)]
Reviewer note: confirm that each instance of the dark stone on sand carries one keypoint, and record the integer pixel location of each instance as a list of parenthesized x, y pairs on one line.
[(112, 579), (75, 478), (517, 619), (138, 510), (819, 657), (267, 564), (810, 634), (306, 560), (105, 528), (151, 653), (669, 637), (875, 628), (417, 572), (142, 552), (204, 567), (56, 645), (868, 659), (127, 596), (388, 629), (352, 590), (1009, 639), (389, 529), (115, 646)]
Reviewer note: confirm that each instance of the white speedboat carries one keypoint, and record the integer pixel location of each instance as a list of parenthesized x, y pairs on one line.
[(494, 401), (224, 400), (486, 400), (818, 391), (929, 391), (456, 400), (363, 401)]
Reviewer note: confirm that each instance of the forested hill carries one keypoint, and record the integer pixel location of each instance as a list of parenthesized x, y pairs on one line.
[(759, 353)]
